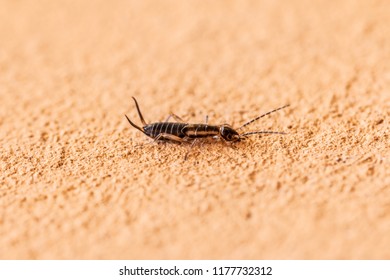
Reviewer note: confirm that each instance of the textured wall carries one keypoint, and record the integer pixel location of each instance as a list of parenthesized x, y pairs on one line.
[(78, 182)]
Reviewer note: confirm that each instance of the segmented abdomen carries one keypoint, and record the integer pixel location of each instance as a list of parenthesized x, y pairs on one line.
[(155, 129)]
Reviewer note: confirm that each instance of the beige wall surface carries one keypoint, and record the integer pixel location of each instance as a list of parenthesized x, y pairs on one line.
[(77, 181)]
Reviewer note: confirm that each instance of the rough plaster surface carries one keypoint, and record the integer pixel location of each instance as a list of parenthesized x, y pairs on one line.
[(78, 182)]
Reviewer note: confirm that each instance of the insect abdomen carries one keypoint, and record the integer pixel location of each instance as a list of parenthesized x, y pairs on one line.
[(155, 129)]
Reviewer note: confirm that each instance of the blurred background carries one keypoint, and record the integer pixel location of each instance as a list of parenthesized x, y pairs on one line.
[(74, 183)]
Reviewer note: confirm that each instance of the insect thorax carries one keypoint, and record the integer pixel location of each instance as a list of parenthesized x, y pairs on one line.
[(201, 130)]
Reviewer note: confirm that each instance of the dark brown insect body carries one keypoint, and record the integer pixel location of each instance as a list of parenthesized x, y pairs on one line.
[(186, 132)]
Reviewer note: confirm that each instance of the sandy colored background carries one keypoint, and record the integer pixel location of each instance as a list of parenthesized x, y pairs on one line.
[(78, 182)]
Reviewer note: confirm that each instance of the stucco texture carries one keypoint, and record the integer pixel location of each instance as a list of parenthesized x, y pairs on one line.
[(78, 182)]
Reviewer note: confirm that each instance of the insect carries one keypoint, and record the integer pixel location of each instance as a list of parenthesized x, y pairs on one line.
[(181, 131)]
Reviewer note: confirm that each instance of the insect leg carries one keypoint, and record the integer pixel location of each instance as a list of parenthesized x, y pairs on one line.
[(168, 137), (175, 117), (190, 149)]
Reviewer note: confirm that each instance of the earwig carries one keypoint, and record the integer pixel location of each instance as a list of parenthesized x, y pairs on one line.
[(181, 131)]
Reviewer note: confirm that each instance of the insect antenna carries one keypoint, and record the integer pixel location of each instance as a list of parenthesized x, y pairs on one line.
[(261, 132), (139, 113), (259, 117)]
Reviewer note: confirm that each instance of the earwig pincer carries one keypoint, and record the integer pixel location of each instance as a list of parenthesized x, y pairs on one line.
[(181, 131)]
